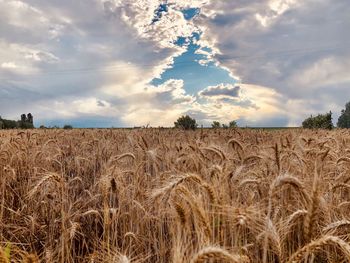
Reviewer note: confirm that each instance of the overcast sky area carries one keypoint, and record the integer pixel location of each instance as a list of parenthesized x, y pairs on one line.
[(125, 63)]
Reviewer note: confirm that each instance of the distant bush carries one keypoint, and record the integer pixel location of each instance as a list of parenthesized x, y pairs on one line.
[(186, 123), (25, 125), (321, 121), (67, 127), (9, 124), (344, 118), (215, 125), (233, 124)]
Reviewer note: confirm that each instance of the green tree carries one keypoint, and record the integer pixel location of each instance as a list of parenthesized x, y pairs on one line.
[(9, 124), (67, 127), (321, 121), (29, 118), (215, 125), (186, 123), (344, 118), (26, 121), (25, 125), (233, 124)]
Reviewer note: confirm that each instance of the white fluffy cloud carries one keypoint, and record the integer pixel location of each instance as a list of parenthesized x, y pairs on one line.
[(70, 54), (158, 106), (163, 28), (251, 105), (298, 48)]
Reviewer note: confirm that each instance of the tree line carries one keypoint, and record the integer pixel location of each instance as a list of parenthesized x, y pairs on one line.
[(188, 123), (320, 121), (26, 122), (324, 121)]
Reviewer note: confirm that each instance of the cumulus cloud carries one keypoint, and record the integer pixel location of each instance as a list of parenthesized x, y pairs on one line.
[(221, 91), (254, 103), (298, 48), (71, 55), (159, 106), (162, 21), (8, 65)]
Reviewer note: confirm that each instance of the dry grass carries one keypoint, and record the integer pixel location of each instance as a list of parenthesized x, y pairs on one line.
[(173, 196)]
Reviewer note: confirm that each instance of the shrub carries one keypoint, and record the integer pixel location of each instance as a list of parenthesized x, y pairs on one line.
[(25, 125), (67, 127), (233, 124), (321, 121), (215, 125), (344, 118), (186, 123), (9, 124)]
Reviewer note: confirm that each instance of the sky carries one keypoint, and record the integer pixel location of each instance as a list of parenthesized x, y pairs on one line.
[(126, 63)]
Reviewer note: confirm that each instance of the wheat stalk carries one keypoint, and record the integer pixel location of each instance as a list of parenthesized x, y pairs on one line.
[(215, 253), (318, 244)]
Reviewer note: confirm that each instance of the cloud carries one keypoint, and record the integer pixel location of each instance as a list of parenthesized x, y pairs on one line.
[(253, 105), (163, 23), (8, 65), (101, 103), (71, 56), (221, 90), (157, 105), (297, 48)]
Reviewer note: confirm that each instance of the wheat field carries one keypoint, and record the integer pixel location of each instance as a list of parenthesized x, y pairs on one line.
[(153, 195)]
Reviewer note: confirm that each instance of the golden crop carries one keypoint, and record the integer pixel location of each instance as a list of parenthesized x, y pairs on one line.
[(152, 195)]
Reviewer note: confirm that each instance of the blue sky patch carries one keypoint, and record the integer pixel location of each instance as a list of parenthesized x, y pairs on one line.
[(158, 13), (196, 77), (181, 41), (190, 13)]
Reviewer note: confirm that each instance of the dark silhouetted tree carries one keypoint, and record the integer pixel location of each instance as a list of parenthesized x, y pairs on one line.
[(30, 118), (9, 124), (321, 121), (26, 122), (344, 118), (215, 125), (233, 124), (186, 123), (23, 118)]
